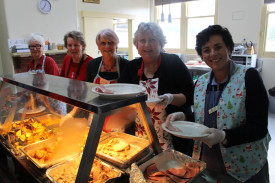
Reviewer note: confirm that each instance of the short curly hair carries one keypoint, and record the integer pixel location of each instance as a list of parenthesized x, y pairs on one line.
[(204, 36), (151, 27)]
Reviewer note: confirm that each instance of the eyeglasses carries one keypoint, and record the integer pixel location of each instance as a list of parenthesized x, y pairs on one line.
[(150, 41), (111, 43), (37, 46)]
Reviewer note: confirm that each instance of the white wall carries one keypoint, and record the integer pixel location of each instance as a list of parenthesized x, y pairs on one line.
[(23, 18), (242, 18), (6, 63), (140, 8)]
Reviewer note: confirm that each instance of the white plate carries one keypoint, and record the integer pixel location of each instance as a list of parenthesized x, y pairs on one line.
[(189, 129), (29, 111), (121, 90)]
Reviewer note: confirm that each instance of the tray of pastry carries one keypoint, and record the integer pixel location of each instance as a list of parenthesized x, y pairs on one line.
[(122, 149), (66, 172), (55, 150), (26, 132)]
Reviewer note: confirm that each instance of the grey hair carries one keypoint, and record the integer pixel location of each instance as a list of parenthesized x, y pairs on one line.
[(153, 28), (76, 35), (107, 34), (36, 37)]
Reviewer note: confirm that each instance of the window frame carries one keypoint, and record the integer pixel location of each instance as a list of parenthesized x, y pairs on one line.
[(184, 27), (263, 33)]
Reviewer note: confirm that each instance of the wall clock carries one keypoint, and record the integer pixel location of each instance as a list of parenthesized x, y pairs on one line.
[(44, 6)]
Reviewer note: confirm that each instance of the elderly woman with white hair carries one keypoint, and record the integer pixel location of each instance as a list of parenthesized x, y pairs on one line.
[(40, 62), (106, 68), (166, 78)]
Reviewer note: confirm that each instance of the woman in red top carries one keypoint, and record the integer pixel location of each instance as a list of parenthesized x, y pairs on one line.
[(40, 62), (75, 62)]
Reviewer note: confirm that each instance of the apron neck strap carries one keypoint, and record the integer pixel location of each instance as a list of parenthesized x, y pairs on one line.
[(78, 69), (140, 71)]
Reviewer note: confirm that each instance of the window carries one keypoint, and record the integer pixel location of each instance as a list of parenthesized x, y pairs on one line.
[(121, 29), (267, 39), (187, 20)]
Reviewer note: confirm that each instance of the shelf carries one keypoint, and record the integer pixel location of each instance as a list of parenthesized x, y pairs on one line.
[(49, 52)]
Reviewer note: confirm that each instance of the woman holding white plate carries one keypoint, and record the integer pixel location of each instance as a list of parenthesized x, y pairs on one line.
[(165, 77), (231, 100)]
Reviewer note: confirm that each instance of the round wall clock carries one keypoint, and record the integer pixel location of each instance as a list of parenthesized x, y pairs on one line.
[(44, 6)]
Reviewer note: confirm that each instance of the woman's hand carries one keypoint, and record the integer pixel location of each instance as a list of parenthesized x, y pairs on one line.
[(215, 136), (173, 117), (166, 99)]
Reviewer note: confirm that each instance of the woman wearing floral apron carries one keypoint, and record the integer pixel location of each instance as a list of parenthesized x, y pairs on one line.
[(160, 74), (231, 100)]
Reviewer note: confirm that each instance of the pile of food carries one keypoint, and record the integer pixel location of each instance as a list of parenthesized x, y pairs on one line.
[(51, 149), (117, 148), (45, 153), (26, 132), (173, 175), (66, 173)]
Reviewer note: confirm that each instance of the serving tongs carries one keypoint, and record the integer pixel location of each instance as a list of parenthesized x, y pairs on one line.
[(6, 127)]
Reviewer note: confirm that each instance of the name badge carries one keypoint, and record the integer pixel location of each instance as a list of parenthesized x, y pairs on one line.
[(213, 109)]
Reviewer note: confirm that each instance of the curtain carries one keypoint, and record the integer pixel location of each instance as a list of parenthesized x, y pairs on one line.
[(266, 1), (159, 2)]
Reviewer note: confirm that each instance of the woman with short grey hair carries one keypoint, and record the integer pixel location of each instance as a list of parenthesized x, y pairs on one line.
[(40, 62), (160, 73), (106, 68)]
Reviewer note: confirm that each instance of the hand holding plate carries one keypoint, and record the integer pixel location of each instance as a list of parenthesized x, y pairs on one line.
[(176, 116), (215, 136)]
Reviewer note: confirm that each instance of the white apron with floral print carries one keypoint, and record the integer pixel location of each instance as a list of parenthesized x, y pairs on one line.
[(158, 116)]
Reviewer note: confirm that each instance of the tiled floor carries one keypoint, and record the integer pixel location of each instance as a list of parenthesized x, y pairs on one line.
[(271, 151)]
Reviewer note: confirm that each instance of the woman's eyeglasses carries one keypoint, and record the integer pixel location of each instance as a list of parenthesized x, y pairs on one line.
[(37, 46)]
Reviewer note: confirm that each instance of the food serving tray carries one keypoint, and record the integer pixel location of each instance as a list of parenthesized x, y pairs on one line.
[(31, 131), (54, 154), (67, 171), (54, 159), (138, 148), (172, 159)]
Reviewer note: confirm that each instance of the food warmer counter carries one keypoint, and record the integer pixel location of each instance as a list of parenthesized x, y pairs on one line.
[(25, 97)]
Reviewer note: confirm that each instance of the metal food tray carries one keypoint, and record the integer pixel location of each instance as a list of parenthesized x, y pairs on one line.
[(140, 148), (74, 164), (9, 146), (172, 155), (56, 159)]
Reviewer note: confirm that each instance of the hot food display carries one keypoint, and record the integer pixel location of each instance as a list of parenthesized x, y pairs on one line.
[(40, 135)]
